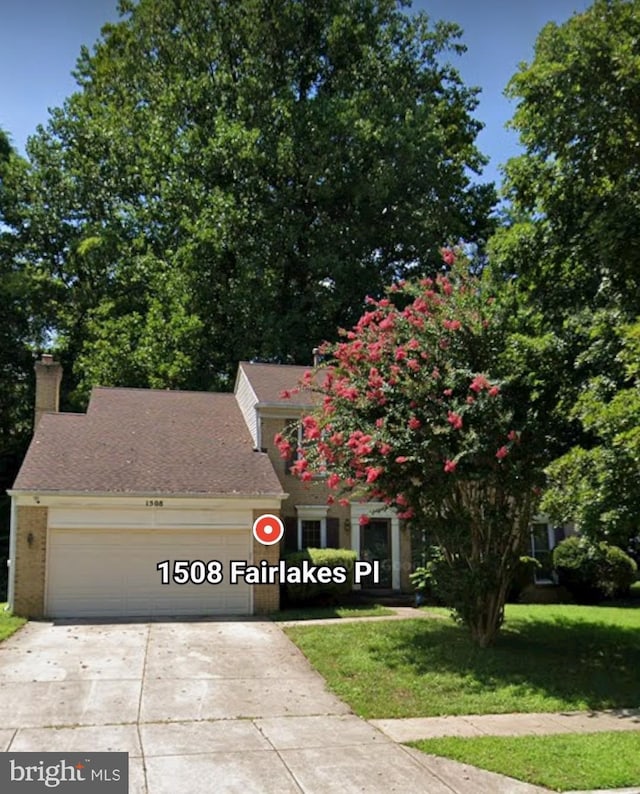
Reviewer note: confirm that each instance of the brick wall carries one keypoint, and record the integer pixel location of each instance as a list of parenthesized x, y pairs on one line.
[(30, 561), (266, 597)]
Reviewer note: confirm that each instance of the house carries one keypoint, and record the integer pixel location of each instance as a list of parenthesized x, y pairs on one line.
[(106, 502)]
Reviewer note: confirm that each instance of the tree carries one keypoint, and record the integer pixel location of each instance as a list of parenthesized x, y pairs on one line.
[(16, 337), (570, 241), (599, 487), (427, 404), (575, 192), (230, 179)]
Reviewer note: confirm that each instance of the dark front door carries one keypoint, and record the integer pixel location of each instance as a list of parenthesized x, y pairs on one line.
[(375, 544)]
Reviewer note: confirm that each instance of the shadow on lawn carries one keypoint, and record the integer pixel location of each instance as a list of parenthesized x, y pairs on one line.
[(591, 662)]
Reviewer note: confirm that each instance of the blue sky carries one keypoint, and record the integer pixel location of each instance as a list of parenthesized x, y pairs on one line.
[(40, 41)]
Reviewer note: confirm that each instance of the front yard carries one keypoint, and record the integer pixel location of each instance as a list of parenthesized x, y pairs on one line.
[(547, 658)]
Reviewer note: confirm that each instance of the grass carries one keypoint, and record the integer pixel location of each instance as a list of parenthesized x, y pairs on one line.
[(8, 623), (547, 658), (318, 613), (597, 760)]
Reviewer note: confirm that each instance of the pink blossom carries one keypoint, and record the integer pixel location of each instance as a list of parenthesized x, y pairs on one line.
[(470, 400), (479, 383), (494, 391), (413, 364), (502, 453), (401, 500), (407, 514), (455, 420), (385, 448), (373, 474), (333, 481), (306, 476), (380, 423), (343, 502), (331, 499), (401, 459), (448, 392), (285, 394), (452, 325), (414, 423), (448, 256), (450, 466), (364, 520), (513, 435)]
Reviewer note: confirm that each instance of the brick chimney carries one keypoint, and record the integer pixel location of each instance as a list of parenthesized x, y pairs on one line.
[(48, 377)]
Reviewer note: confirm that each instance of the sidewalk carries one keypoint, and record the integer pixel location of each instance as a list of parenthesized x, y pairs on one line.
[(413, 728)]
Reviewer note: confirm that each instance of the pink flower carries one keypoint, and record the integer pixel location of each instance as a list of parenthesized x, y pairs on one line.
[(385, 448), (333, 481), (494, 391), (401, 500), (364, 520), (414, 423), (407, 514), (373, 474), (413, 364), (470, 400), (448, 257), (455, 420), (479, 383), (401, 459), (513, 435), (330, 499), (343, 502), (452, 325), (306, 476), (450, 466), (502, 453), (448, 392), (285, 394)]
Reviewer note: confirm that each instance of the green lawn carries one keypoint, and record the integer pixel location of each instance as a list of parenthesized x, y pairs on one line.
[(318, 613), (547, 658), (8, 623), (598, 760)]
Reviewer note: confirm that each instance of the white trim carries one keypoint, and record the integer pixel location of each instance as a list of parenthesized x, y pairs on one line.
[(313, 513), (266, 502), (12, 553)]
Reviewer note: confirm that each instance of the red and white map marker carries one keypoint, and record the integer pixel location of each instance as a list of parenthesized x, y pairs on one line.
[(268, 529)]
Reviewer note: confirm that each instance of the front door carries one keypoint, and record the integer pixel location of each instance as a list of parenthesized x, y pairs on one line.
[(375, 544)]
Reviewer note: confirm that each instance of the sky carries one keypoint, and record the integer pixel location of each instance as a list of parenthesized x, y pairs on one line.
[(40, 41)]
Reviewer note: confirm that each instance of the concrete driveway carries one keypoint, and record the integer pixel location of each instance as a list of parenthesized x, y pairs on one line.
[(224, 706)]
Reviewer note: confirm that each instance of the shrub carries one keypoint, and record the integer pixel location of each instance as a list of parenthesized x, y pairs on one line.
[(522, 577), (593, 571), (331, 558)]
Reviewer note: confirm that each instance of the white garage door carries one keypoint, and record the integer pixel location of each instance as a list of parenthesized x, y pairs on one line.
[(110, 573)]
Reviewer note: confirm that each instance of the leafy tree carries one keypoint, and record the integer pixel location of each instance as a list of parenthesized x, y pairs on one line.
[(599, 486), (16, 359), (427, 404), (570, 240), (575, 192), (231, 179)]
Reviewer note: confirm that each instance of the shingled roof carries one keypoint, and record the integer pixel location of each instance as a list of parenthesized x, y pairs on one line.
[(271, 381), (147, 441)]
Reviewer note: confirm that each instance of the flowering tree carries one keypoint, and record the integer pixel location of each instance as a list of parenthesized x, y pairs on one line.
[(426, 406)]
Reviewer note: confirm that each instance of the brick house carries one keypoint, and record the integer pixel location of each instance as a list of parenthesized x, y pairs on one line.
[(146, 476)]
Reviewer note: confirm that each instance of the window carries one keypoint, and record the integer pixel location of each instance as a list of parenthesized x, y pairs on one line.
[(312, 526), (542, 542), (311, 533)]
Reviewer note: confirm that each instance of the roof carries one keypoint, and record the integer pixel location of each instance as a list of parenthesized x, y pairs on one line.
[(148, 441), (270, 381)]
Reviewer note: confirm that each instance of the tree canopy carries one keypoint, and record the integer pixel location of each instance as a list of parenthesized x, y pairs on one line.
[(231, 179), (428, 406)]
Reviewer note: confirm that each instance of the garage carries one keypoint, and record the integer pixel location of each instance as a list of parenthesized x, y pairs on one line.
[(113, 573)]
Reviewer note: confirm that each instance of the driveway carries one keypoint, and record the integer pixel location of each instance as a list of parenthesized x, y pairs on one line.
[(224, 706)]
